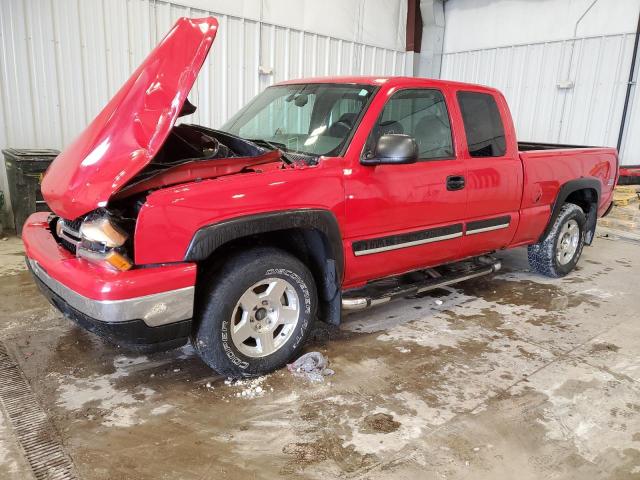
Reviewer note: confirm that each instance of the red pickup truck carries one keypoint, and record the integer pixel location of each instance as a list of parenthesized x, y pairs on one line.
[(320, 195)]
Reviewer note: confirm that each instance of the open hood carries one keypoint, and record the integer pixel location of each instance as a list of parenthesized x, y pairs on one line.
[(129, 131)]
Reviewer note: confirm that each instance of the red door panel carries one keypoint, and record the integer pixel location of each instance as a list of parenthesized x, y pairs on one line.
[(389, 200), (494, 189)]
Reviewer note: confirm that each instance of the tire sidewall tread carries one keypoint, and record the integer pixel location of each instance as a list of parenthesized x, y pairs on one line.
[(211, 337), (542, 255)]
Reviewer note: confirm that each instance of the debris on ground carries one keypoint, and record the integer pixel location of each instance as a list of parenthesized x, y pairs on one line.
[(624, 195), (380, 423), (311, 366), (250, 388), (306, 453)]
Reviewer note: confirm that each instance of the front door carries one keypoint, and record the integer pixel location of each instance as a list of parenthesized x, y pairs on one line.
[(405, 217)]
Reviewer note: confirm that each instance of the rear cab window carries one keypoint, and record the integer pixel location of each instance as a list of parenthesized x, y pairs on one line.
[(482, 124)]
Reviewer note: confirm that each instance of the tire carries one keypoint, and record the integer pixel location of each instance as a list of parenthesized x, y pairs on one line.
[(556, 255), (242, 300)]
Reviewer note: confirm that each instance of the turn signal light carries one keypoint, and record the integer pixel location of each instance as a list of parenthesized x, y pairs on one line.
[(118, 261)]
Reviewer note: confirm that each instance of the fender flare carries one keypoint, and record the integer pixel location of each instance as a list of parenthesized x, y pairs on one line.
[(567, 189), (209, 238)]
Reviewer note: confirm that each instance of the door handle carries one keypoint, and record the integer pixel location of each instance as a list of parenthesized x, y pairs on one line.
[(455, 182)]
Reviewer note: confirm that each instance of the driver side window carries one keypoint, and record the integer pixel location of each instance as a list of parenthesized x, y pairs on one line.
[(421, 113)]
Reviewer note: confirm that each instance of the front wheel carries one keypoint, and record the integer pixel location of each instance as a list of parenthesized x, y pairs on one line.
[(558, 253), (255, 313)]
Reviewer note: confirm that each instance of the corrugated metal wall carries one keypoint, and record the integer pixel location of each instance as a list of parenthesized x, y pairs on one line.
[(61, 60), (586, 110)]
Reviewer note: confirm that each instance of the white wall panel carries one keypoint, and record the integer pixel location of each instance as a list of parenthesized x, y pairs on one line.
[(531, 77), (61, 60), (630, 150), (474, 24)]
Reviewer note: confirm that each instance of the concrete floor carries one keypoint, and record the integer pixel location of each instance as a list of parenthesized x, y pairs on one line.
[(514, 376)]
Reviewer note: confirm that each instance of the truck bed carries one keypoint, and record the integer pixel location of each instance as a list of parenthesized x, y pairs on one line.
[(547, 167)]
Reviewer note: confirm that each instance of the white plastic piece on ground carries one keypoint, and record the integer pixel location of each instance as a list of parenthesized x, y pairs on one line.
[(311, 366)]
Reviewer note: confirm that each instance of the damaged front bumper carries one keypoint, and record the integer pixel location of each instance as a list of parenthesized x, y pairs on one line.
[(131, 308), (155, 310)]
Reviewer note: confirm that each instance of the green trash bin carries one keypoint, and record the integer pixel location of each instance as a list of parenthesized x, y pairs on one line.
[(25, 169)]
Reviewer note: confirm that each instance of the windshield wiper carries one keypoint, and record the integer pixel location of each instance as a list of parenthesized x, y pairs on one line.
[(275, 146)]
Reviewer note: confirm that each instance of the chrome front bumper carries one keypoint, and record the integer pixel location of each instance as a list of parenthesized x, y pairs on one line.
[(155, 310)]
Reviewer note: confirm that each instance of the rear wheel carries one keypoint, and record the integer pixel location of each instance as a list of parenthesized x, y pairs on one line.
[(255, 313), (558, 253)]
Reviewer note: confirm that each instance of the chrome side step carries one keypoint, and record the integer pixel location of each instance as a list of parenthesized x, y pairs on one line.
[(375, 293)]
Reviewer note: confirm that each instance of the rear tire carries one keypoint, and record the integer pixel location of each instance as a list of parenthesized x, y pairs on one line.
[(255, 313), (558, 253)]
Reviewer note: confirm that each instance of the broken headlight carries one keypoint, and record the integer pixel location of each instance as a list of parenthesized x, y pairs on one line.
[(102, 241), (102, 231)]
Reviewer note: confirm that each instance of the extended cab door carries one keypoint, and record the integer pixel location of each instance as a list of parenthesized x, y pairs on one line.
[(404, 217), (494, 171)]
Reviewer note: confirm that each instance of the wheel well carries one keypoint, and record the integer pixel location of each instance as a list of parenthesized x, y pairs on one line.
[(584, 192), (586, 199), (311, 246)]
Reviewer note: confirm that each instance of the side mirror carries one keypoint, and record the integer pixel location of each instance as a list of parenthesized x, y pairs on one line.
[(393, 149)]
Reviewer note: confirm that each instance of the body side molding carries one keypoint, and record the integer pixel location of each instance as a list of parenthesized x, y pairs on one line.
[(487, 225), (405, 240)]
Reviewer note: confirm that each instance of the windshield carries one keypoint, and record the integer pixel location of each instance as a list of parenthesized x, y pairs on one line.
[(311, 119)]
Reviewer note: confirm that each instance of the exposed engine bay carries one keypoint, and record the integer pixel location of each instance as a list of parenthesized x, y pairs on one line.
[(192, 153), (187, 143)]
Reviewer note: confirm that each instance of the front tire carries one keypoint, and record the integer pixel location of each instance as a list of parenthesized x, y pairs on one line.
[(558, 253), (255, 313)]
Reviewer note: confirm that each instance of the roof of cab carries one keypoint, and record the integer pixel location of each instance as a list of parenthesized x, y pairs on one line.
[(383, 80)]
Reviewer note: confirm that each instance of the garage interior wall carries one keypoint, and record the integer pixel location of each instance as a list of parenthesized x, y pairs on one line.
[(565, 79), (61, 60)]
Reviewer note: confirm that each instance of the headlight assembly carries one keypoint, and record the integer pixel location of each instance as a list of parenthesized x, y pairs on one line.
[(102, 230), (102, 242)]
